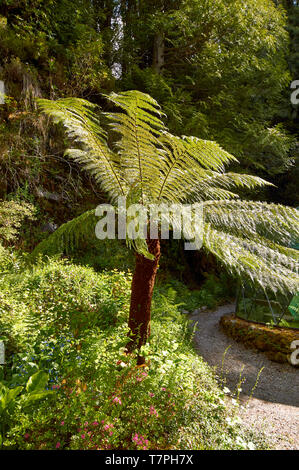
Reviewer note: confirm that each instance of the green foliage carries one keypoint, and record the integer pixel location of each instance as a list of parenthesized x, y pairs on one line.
[(83, 126), (100, 398), (50, 36), (8, 260), (58, 295), (11, 402), (49, 48), (222, 75), (12, 215), (214, 291), (104, 255), (148, 165), (293, 28), (70, 235)]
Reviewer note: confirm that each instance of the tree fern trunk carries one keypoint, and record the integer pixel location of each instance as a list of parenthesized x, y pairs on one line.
[(141, 297)]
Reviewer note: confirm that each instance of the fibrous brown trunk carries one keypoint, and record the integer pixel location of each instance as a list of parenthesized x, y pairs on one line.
[(141, 297)]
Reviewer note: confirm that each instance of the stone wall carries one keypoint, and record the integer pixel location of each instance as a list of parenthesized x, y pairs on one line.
[(275, 342)]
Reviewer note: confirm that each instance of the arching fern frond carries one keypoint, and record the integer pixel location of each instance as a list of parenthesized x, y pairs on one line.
[(217, 186), (68, 236), (275, 222), (177, 170), (235, 180), (139, 129), (193, 170), (204, 192), (83, 126), (257, 263), (207, 153)]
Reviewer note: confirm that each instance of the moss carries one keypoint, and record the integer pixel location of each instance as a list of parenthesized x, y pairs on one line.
[(274, 342)]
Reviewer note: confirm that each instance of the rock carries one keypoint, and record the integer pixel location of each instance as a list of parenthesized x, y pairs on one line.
[(49, 227), (280, 357), (196, 311), (199, 310), (47, 195), (260, 343), (274, 342), (185, 312)]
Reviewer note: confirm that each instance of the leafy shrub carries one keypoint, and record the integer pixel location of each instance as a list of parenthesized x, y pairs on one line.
[(12, 215), (12, 400), (8, 260), (102, 399), (55, 300), (98, 255), (214, 291)]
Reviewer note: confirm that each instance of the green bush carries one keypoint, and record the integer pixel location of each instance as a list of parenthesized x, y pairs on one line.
[(40, 307), (12, 214), (70, 322), (214, 291), (13, 400)]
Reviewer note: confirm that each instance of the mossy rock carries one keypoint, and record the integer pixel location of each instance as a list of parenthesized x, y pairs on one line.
[(275, 342)]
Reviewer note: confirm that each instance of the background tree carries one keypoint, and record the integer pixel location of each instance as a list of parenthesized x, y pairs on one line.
[(218, 69), (53, 49), (287, 182), (146, 164)]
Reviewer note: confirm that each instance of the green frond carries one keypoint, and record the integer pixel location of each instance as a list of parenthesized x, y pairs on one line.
[(212, 185), (129, 100), (139, 129), (68, 236), (207, 153), (83, 126), (235, 180), (208, 193), (275, 222), (140, 246), (189, 167), (257, 263), (179, 171)]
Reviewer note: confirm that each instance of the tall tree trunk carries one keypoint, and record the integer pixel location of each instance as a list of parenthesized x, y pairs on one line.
[(141, 297), (158, 53)]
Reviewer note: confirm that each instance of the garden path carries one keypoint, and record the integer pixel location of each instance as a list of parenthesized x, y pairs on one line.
[(274, 406)]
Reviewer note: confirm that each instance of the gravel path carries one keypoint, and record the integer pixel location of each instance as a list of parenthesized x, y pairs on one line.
[(275, 403)]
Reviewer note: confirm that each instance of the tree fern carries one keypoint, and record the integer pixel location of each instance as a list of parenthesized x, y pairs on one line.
[(147, 164)]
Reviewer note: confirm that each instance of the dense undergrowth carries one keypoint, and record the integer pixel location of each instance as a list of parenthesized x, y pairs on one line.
[(71, 322)]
